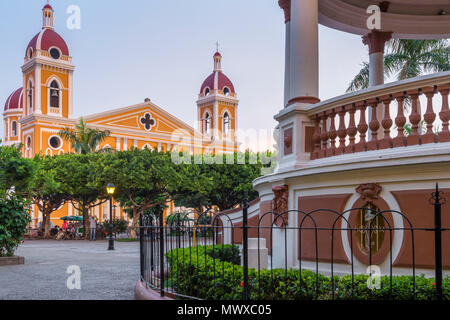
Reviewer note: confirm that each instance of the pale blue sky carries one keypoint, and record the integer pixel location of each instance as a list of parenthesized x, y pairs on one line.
[(129, 50)]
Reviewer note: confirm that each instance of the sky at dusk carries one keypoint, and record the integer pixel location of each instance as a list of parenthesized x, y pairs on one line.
[(129, 50)]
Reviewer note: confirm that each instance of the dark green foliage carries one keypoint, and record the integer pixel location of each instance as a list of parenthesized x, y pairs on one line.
[(14, 218), (221, 180), (15, 171), (119, 226), (195, 272), (227, 253)]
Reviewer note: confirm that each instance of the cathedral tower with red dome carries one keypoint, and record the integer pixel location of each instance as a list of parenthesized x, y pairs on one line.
[(218, 106), (46, 95)]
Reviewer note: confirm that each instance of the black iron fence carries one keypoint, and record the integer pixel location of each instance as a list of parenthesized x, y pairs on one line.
[(186, 259)]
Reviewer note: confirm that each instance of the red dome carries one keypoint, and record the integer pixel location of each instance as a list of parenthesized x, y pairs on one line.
[(15, 100), (47, 6), (217, 81), (46, 39)]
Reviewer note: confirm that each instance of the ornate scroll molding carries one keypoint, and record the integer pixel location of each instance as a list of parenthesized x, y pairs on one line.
[(369, 191), (376, 40), (280, 203), (286, 6)]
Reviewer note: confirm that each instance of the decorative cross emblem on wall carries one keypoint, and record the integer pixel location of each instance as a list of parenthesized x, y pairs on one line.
[(147, 121)]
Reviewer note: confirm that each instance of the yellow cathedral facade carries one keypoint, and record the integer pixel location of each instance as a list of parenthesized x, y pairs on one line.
[(35, 113)]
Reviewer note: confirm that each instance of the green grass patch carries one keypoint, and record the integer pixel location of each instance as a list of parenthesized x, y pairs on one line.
[(127, 240)]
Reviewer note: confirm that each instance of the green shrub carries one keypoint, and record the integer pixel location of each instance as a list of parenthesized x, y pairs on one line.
[(226, 253), (14, 218), (119, 226), (214, 273)]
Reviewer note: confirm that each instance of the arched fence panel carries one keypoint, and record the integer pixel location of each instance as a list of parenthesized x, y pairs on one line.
[(361, 253)]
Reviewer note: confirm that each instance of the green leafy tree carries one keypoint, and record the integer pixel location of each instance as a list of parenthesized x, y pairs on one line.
[(408, 59), (46, 189), (14, 218), (233, 182), (83, 139), (221, 180), (143, 179), (82, 181), (15, 171), (194, 187)]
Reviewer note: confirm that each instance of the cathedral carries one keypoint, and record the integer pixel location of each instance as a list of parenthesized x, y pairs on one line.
[(35, 113)]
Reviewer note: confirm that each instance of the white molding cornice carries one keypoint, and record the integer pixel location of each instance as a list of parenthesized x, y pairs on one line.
[(217, 97), (377, 160), (346, 17), (37, 61)]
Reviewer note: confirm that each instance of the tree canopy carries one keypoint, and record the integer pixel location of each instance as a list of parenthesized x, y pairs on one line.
[(48, 190), (15, 171)]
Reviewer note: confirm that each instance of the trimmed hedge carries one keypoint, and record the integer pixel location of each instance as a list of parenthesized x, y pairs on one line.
[(214, 273)]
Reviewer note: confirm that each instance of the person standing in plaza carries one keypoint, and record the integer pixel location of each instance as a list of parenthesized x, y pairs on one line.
[(93, 227)]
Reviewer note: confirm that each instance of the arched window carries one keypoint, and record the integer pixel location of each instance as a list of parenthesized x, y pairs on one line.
[(207, 91), (54, 94), (30, 95), (28, 144), (226, 123), (207, 124), (14, 129), (370, 226), (226, 91)]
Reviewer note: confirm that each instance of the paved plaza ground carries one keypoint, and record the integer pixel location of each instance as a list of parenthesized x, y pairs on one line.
[(105, 275)]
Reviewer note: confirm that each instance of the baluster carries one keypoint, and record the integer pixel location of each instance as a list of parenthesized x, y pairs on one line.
[(342, 132), (429, 116), (400, 121), (362, 127), (387, 122), (352, 130), (415, 117), (374, 125), (324, 136), (332, 134), (444, 135), (316, 137)]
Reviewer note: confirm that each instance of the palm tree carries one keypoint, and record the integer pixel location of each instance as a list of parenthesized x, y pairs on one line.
[(408, 59), (83, 139)]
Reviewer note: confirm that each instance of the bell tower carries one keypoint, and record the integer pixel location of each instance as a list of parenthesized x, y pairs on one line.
[(217, 106), (48, 72)]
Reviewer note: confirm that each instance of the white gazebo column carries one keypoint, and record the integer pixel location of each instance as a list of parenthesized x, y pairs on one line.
[(304, 52), (376, 41), (286, 6), (302, 82)]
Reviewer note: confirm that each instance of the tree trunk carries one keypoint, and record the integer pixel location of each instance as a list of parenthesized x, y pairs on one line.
[(86, 222), (135, 225), (46, 224)]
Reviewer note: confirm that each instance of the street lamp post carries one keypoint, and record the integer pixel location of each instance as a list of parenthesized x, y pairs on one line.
[(110, 188)]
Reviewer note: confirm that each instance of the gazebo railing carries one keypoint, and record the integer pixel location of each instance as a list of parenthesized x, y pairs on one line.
[(351, 123)]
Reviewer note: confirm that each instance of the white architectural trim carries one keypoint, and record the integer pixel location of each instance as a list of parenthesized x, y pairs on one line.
[(346, 17)]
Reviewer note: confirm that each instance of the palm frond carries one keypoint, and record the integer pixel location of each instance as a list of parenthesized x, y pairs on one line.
[(361, 81), (84, 139)]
